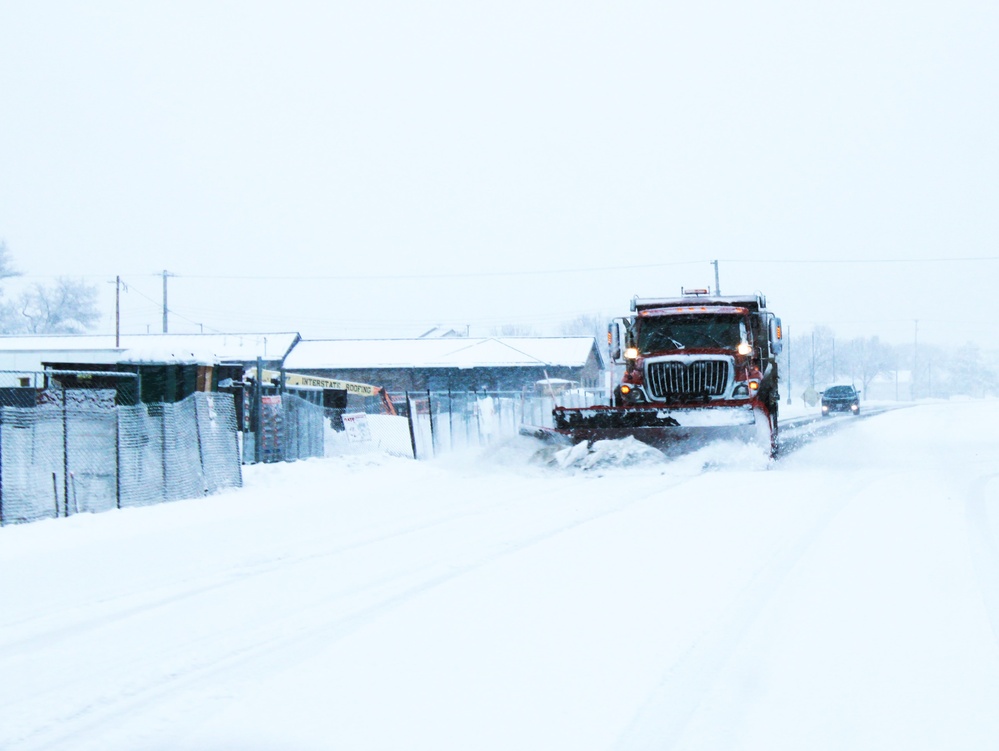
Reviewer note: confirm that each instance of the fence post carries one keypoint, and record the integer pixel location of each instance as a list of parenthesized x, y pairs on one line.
[(258, 411), (117, 456), (201, 450), (239, 448), (65, 454), (163, 449), (466, 414), (450, 418), (478, 418), (1, 466), (228, 399), (412, 430), (430, 411)]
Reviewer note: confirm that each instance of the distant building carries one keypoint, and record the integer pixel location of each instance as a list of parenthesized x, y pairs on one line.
[(449, 363), (170, 366), (894, 386)]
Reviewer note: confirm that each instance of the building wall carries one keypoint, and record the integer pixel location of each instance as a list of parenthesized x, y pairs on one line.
[(460, 379)]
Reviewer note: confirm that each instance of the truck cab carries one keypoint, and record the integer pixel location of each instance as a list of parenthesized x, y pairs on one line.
[(698, 351)]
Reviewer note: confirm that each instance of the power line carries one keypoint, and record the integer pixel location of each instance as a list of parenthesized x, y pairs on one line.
[(582, 270), (859, 261), (135, 289), (542, 272), (432, 275)]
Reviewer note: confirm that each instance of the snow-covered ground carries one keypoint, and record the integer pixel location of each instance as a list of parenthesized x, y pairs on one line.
[(845, 597)]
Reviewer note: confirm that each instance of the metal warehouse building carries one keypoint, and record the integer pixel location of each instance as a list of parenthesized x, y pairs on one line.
[(449, 363)]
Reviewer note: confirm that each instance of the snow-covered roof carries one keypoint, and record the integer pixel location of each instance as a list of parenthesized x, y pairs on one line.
[(24, 351), (509, 351), (439, 332)]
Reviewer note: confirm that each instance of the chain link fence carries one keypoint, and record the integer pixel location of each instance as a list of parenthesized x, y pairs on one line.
[(77, 451), (430, 423), (80, 450), (287, 426), (294, 425), (447, 421)]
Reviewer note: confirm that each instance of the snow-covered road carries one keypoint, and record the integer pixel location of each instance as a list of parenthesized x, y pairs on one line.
[(847, 597)]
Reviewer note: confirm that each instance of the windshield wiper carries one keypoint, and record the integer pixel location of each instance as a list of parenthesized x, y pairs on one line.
[(657, 340)]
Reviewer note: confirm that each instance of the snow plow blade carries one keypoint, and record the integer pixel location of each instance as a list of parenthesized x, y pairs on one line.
[(662, 428)]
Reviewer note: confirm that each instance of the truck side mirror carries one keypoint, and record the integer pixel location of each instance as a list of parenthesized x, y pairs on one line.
[(776, 336), (614, 341)]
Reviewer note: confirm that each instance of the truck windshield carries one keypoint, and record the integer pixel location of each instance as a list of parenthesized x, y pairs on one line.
[(689, 332)]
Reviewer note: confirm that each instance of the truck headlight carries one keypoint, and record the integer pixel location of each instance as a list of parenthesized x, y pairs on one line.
[(744, 348), (631, 353), (631, 394)]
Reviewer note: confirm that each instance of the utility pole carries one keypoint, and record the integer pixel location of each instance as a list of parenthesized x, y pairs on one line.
[(117, 312), (717, 286), (787, 335), (165, 275), (813, 360)]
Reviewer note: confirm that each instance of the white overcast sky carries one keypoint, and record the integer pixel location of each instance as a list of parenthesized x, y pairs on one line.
[(372, 168)]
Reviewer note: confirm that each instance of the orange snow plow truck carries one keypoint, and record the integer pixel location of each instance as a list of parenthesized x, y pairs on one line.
[(697, 368)]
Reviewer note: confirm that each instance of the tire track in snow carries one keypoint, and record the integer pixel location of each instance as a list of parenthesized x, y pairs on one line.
[(984, 550), (237, 575), (801, 431), (240, 576), (661, 721), (294, 637)]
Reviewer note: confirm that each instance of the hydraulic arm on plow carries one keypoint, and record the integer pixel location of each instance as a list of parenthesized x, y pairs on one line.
[(696, 368)]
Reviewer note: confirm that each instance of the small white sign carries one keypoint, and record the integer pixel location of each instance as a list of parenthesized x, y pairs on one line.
[(356, 425)]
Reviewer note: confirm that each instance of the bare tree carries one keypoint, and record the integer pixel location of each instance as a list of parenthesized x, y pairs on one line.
[(869, 358), (8, 310), (821, 359), (587, 324), (813, 356), (67, 307), (7, 269), (970, 373), (512, 329)]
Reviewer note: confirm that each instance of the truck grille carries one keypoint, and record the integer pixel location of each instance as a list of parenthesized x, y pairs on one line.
[(665, 380)]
